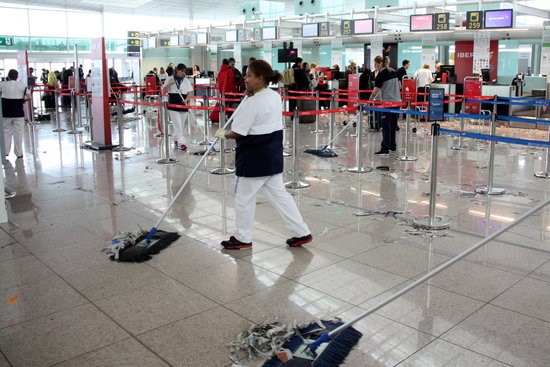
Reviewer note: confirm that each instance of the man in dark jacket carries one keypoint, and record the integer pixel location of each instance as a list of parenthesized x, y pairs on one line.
[(301, 82), (402, 71), (66, 100), (239, 80)]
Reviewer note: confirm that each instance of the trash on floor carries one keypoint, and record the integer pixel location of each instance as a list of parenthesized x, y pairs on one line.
[(84, 189)]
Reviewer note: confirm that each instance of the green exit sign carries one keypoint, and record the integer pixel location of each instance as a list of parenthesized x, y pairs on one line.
[(6, 41)]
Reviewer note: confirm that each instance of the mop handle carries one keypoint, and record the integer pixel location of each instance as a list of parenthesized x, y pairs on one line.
[(210, 147), (431, 274), (333, 139)]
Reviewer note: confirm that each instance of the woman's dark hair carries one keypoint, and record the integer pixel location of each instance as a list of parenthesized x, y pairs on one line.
[(305, 65), (262, 69), (169, 71), (13, 74), (181, 67), (197, 66), (225, 62)]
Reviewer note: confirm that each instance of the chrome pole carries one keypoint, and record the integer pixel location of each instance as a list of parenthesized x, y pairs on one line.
[(222, 170), (166, 137), (295, 183), (407, 157), (359, 145)]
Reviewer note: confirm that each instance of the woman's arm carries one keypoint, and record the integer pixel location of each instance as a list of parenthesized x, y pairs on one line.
[(232, 135)]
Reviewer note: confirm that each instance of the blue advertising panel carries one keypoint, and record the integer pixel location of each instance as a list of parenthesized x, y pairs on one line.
[(436, 104)]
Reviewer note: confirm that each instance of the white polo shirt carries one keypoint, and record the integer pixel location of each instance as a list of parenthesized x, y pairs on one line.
[(13, 97), (424, 77), (259, 114), (185, 86)]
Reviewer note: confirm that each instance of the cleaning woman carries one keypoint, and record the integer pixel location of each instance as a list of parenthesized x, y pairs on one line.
[(258, 130), (179, 91)]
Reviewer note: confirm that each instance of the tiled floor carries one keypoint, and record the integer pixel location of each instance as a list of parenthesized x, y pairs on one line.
[(63, 303)]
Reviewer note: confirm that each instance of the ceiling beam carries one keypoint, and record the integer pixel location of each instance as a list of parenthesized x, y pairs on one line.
[(527, 10)]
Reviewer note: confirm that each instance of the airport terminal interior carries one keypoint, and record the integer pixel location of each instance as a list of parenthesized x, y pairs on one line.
[(435, 250)]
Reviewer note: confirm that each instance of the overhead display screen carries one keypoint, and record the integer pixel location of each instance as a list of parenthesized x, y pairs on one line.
[(441, 21), (269, 33), (310, 30), (422, 22), (345, 28), (363, 26), (474, 19), (231, 35), (499, 18), (324, 29)]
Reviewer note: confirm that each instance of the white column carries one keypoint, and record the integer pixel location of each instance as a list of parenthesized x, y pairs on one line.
[(336, 52), (428, 50)]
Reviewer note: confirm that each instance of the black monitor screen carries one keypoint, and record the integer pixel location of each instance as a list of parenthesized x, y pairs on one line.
[(486, 75), (287, 55), (449, 69)]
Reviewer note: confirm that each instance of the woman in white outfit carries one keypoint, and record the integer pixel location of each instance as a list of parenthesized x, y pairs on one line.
[(14, 94), (258, 130), (173, 84)]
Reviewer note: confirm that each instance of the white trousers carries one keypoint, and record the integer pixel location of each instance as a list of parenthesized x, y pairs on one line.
[(245, 205), (178, 122), (13, 129)]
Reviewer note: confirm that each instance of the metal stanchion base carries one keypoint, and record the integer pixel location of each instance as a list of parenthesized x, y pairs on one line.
[(406, 158), (204, 142), (437, 223), (359, 169), (58, 130), (121, 149), (74, 132), (286, 155), (296, 185), (494, 191), (542, 174), (222, 171), (34, 123), (458, 147), (317, 131), (166, 160)]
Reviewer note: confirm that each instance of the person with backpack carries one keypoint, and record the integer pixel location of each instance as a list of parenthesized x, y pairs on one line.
[(387, 85)]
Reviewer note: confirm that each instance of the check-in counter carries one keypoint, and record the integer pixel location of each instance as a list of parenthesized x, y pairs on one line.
[(500, 91)]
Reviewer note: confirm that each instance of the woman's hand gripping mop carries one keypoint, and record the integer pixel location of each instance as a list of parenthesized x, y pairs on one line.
[(139, 246)]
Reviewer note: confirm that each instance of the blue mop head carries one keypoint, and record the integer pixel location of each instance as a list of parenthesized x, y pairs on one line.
[(323, 153), (332, 355)]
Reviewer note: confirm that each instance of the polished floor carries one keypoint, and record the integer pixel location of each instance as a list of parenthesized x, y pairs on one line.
[(63, 303)]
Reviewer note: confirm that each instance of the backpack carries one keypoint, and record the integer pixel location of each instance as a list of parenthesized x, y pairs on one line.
[(288, 77)]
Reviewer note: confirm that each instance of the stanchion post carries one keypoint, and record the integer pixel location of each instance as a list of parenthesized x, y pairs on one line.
[(206, 140), (164, 119), (433, 221), (222, 169), (78, 109), (120, 124), (332, 118), (489, 189), (460, 146), (317, 108), (407, 157), (546, 172), (58, 129), (73, 112), (295, 183), (359, 145)]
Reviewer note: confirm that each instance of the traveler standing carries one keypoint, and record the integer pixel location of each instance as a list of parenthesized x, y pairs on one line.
[(226, 78), (14, 94), (402, 71), (239, 81), (258, 130), (162, 75), (387, 84), (179, 91)]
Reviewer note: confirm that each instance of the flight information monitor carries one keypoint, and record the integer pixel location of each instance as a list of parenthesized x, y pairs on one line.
[(269, 33), (310, 30), (422, 22), (363, 26), (498, 18)]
